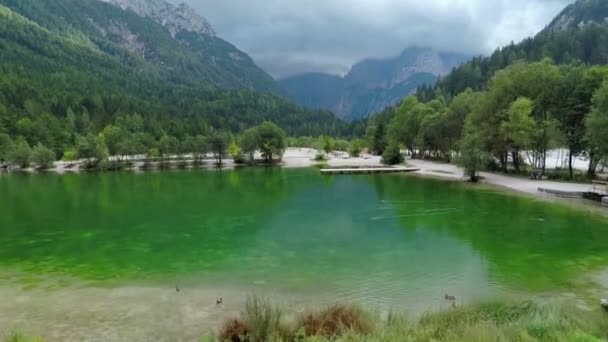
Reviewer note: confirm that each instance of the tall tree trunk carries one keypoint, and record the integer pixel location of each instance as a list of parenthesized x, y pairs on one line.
[(570, 155), (515, 154), (593, 162)]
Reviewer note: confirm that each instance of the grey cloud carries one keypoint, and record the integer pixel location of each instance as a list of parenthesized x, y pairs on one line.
[(286, 37)]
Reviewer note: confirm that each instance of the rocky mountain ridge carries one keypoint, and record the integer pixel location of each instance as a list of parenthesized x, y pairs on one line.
[(174, 18), (579, 14), (372, 84)]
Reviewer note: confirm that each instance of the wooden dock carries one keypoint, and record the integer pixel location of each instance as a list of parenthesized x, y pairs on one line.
[(368, 170)]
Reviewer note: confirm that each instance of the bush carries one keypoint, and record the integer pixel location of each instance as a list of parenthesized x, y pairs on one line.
[(320, 157), (335, 321), (69, 155), (43, 157), (259, 321), (20, 154), (564, 175), (234, 330), (356, 147), (239, 158), (342, 145), (261, 318), (392, 155)]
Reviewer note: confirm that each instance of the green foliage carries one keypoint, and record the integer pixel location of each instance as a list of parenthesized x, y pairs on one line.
[(472, 153), (326, 143), (519, 126), (271, 140), (341, 145), (101, 150), (236, 153), (320, 157), (61, 79), (21, 153), (356, 147), (218, 144), (6, 146), (392, 154), (70, 155), (86, 147), (268, 138), (249, 143), (597, 122), (42, 156), (587, 45), (377, 136), (153, 153)]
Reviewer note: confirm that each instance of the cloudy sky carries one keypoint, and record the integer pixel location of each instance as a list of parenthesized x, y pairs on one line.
[(287, 37)]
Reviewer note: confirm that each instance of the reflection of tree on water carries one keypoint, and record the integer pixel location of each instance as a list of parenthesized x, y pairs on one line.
[(529, 244), (118, 225)]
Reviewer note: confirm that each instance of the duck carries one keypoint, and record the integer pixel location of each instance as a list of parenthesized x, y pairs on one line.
[(219, 301), (450, 298)]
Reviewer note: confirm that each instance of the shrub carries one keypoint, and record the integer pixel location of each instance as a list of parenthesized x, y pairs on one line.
[(392, 155), (335, 321), (261, 318), (20, 154), (42, 156), (69, 155), (320, 157), (234, 330), (356, 147)]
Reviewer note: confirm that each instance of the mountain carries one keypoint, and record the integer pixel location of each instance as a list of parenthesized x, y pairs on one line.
[(373, 84), (171, 41), (77, 66), (580, 14), (579, 34)]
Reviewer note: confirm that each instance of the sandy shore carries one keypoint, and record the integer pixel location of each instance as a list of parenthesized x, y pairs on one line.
[(304, 157), (524, 185)]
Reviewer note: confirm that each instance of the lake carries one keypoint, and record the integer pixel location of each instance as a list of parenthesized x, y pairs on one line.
[(385, 241)]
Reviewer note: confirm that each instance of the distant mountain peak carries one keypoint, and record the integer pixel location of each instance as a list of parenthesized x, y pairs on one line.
[(174, 18), (372, 84), (580, 14)]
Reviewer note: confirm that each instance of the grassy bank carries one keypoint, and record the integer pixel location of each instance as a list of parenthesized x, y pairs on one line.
[(526, 321)]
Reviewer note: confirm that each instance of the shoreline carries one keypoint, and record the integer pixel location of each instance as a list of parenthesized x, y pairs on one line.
[(304, 158)]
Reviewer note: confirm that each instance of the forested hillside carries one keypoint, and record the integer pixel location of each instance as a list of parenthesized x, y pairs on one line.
[(582, 40), (506, 111), (60, 81)]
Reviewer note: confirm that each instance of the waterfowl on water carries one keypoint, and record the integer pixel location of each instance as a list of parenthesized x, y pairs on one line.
[(450, 298), (219, 301)]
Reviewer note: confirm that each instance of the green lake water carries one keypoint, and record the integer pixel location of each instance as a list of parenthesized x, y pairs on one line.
[(381, 239)]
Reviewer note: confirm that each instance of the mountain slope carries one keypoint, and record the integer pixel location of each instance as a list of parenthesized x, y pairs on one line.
[(59, 77), (371, 85), (171, 41), (580, 14), (579, 34)]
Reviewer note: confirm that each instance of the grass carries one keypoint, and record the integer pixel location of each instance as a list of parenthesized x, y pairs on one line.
[(525, 321), (17, 337)]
